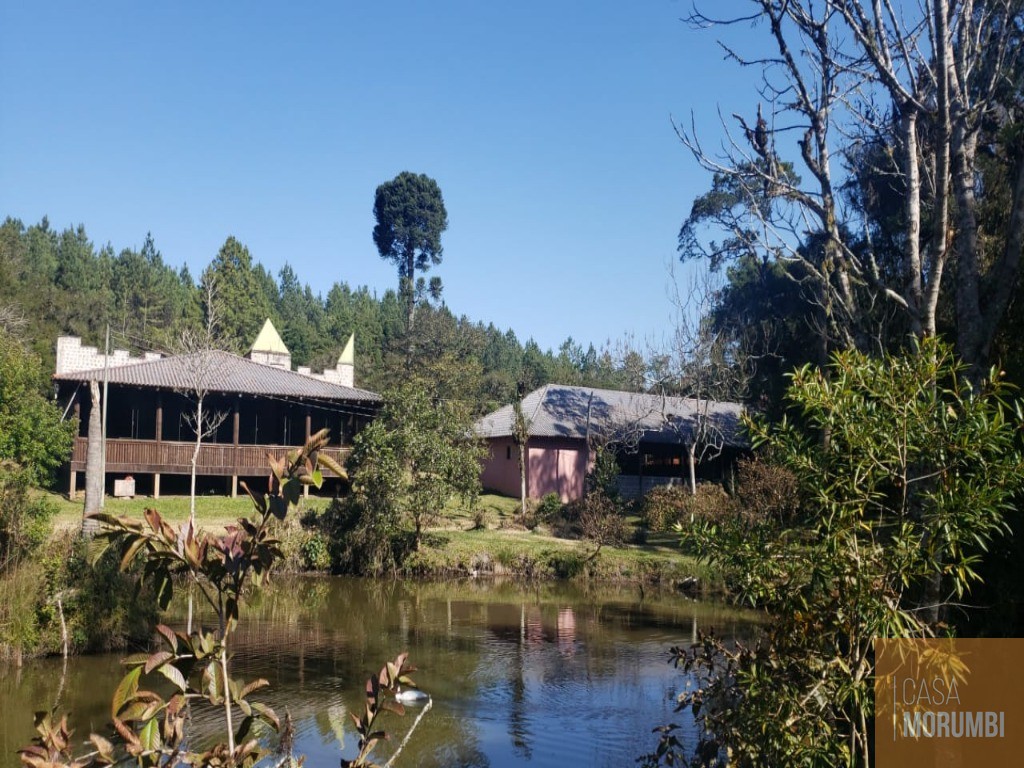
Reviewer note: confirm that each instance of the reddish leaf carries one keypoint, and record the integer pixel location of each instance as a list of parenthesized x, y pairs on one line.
[(158, 658), (168, 635), (126, 733), (154, 519), (255, 685)]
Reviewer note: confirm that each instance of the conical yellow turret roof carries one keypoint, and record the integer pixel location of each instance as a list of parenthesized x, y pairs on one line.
[(269, 340), (348, 354)]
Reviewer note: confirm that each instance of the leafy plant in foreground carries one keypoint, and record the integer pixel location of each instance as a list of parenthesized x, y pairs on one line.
[(897, 504), (149, 729)]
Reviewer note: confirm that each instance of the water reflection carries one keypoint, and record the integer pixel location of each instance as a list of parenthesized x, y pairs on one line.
[(549, 675)]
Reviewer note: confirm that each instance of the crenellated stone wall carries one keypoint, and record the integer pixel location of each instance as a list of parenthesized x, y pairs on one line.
[(73, 356)]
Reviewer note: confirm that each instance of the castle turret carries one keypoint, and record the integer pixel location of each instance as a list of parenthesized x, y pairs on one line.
[(269, 349)]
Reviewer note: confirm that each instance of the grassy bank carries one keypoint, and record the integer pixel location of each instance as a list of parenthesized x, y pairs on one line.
[(480, 541), (534, 554), (213, 512), (486, 541)]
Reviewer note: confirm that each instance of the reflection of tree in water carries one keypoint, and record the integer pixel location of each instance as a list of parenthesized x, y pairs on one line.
[(501, 660), (517, 713)]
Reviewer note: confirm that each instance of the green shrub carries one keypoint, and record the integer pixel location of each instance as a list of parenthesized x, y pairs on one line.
[(711, 504), (566, 564), (359, 541), (663, 506), (103, 609), (603, 477), (20, 590), (316, 555), (549, 507), (24, 521), (601, 521), (767, 489), (896, 512)]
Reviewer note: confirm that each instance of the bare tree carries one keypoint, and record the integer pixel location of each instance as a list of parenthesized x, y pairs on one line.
[(703, 365), (13, 322), (201, 364), (521, 424), (202, 367), (921, 84)]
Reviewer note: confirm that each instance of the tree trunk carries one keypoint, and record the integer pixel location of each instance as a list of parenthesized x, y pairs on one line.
[(195, 461), (522, 479), (94, 480), (970, 320), (410, 308), (192, 497), (691, 455), (940, 210), (912, 257)]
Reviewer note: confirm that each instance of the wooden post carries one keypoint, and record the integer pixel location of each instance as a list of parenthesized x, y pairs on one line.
[(159, 427), (235, 429), (72, 481), (309, 433)]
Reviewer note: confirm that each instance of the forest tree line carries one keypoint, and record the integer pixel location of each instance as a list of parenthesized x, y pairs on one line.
[(56, 282)]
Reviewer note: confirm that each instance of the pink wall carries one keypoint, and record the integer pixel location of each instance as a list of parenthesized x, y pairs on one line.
[(553, 465), (501, 468), (557, 466)]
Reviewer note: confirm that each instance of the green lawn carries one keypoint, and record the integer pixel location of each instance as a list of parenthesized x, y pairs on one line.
[(456, 545), (213, 512)]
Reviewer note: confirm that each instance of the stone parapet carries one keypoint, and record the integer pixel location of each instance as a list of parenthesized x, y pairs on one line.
[(73, 356)]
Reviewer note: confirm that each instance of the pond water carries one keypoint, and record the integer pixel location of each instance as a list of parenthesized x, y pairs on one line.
[(551, 675)]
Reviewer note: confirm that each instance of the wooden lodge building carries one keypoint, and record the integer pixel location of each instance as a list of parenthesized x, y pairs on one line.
[(259, 406), (652, 436)]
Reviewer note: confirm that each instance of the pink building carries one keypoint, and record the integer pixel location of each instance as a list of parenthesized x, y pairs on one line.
[(651, 435)]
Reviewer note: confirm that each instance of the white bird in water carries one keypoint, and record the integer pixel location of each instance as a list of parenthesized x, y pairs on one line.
[(411, 696)]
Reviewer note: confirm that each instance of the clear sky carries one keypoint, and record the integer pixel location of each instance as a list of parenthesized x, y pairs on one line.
[(547, 125)]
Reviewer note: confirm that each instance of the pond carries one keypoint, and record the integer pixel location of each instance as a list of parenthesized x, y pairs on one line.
[(549, 675)]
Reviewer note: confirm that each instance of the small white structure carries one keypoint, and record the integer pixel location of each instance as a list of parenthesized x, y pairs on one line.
[(269, 349), (73, 356)]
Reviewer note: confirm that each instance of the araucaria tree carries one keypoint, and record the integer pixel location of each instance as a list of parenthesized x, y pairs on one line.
[(411, 216)]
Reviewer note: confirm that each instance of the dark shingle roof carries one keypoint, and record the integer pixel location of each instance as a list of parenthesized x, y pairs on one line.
[(226, 373), (555, 410)]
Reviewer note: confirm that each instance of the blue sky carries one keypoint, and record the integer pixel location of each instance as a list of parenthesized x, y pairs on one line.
[(547, 126)]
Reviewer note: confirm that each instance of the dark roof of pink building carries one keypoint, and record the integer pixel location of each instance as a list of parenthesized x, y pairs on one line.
[(225, 373), (556, 410)]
